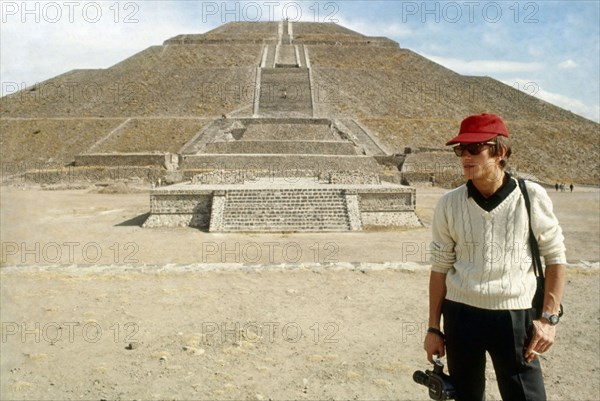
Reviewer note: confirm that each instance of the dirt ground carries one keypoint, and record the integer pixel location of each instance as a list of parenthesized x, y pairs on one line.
[(95, 307)]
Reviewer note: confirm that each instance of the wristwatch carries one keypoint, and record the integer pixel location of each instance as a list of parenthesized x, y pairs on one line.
[(553, 318)]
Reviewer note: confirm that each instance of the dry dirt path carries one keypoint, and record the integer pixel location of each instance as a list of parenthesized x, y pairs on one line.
[(344, 321)]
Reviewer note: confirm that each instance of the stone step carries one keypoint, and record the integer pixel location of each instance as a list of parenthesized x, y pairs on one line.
[(300, 209), (285, 92), (286, 56), (267, 207), (264, 213)]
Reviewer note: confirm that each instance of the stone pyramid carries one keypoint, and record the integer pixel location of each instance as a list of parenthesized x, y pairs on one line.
[(288, 105), (282, 169)]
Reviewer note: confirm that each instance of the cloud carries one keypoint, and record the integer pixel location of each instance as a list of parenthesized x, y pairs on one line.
[(36, 50), (573, 105), (576, 106), (396, 30), (537, 49), (392, 30), (567, 64), (485, 67)]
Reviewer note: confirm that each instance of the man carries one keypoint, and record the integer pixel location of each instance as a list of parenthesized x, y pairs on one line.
[(482, 280)]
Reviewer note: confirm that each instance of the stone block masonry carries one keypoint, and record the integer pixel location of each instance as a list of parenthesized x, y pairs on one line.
[(279, 205), (173, 208), (294, 209), (282, 147), (280, 163)]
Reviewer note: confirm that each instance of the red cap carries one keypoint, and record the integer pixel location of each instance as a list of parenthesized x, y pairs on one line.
[(479, 128)]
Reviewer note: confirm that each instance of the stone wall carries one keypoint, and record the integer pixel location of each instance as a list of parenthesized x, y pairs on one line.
[(282, 147), (165, 160), (353, 177), (221, 177), (386, 202), (73, 174), (175, 209), (280, 163), (440, 168), (390, 219)]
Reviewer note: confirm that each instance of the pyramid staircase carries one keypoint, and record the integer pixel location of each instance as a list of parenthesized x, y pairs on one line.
[(281, 210), (283, 170), (285, 92)]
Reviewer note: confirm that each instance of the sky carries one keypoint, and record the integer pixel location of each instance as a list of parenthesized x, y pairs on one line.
[(548, 49)]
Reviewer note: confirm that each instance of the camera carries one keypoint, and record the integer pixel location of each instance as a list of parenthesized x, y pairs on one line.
[(439, 384)]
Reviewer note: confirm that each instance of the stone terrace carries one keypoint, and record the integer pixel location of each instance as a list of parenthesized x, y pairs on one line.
[(233, 32), (333, 34), (150, 135), (152, 93), (51, 140)]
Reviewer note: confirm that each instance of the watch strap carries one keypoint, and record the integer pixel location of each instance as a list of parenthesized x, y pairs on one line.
[(553, 318)]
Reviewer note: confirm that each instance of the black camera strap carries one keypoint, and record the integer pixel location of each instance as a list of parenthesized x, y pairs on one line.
[(535, 250)]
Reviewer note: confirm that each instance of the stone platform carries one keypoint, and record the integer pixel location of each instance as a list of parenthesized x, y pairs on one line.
[(274, 204)]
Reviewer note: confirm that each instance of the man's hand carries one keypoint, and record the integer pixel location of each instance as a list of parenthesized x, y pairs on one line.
[(434, 345), (542, 339)]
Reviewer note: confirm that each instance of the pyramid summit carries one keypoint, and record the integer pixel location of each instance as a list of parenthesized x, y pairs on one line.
[(162, 99)]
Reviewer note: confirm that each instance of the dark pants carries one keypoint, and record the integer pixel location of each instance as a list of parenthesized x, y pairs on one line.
[(470, 332)]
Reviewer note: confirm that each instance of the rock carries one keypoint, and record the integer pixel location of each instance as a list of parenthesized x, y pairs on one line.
[(193, 350)]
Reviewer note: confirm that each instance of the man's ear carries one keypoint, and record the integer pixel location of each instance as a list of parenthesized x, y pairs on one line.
[(502, 151)]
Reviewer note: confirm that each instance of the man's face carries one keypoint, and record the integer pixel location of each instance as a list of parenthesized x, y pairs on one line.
[(477, 162)]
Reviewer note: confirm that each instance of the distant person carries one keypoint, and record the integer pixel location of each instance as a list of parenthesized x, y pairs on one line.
[(483, 293), (556, 186), (571, 187), (562, 187)]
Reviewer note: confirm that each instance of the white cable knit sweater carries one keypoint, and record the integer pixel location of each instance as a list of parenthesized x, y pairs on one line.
[(486, 255)]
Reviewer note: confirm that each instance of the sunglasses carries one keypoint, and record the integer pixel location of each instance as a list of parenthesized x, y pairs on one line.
[(472, 148)]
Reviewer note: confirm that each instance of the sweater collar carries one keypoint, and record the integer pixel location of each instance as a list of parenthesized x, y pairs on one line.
[(489, 204)]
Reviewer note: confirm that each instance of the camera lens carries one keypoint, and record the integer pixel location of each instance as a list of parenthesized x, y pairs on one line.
[(421, 378)]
